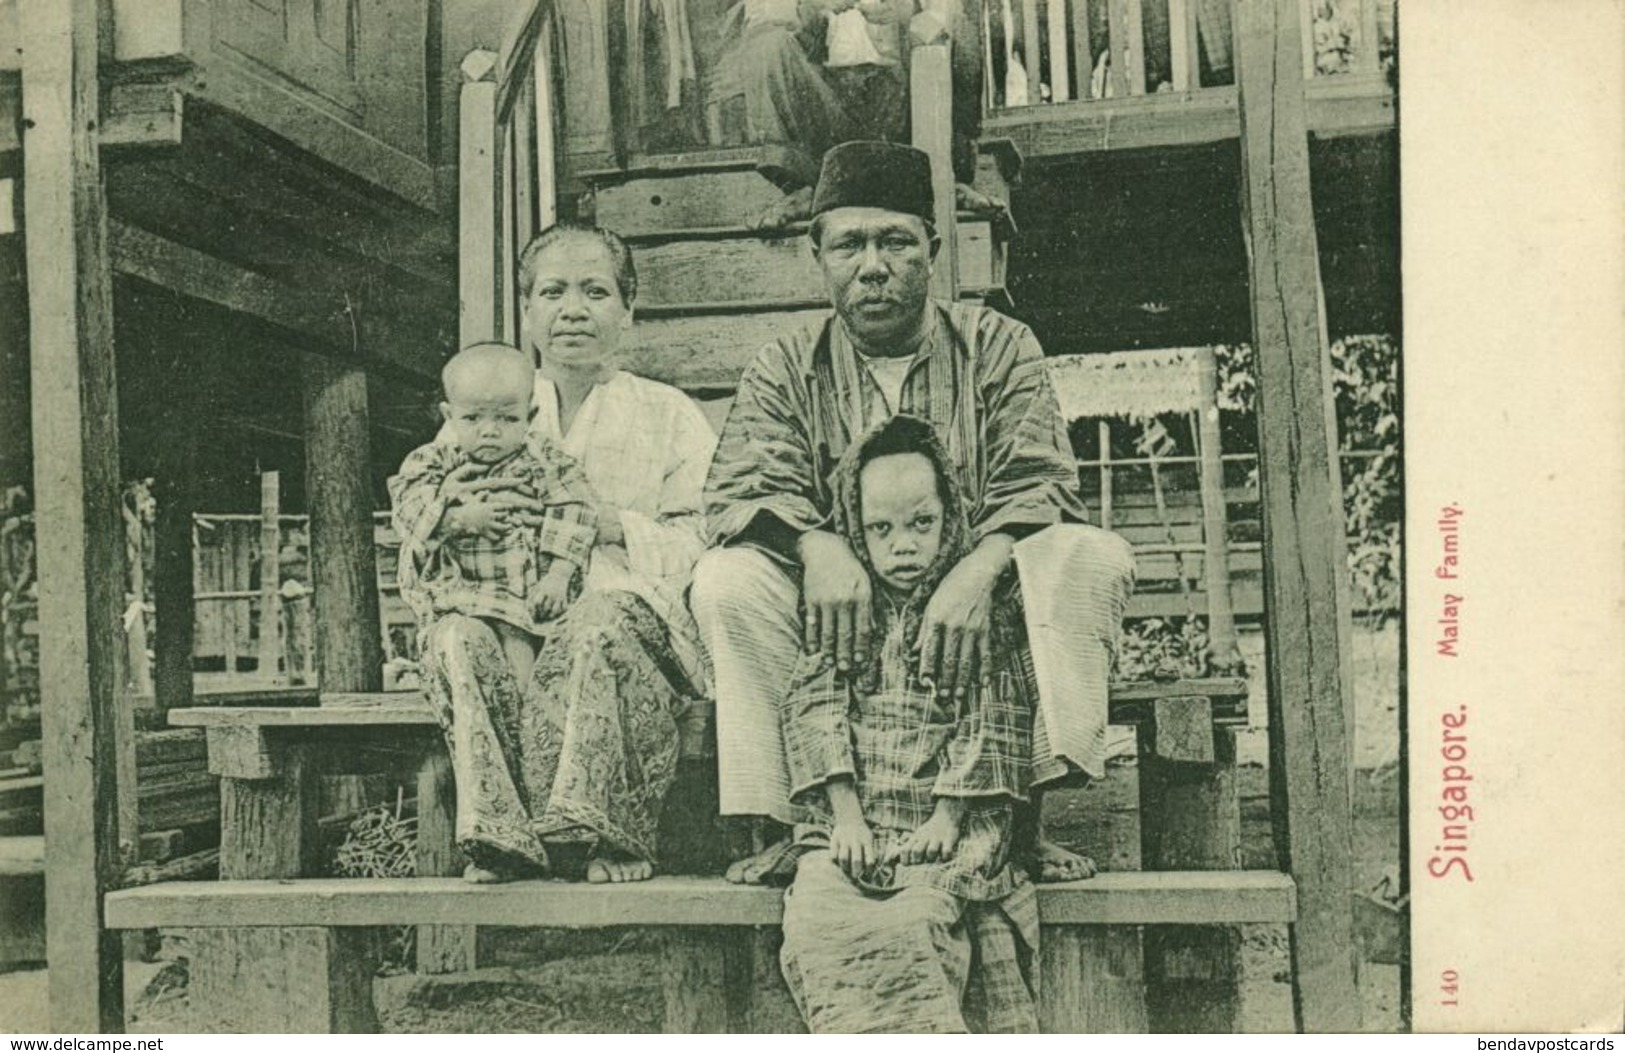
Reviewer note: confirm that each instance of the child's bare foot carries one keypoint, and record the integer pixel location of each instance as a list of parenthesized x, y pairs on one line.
[(1055, 863), (937, 837), (616, 868), (478, 875)]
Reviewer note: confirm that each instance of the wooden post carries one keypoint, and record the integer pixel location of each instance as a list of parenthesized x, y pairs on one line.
[(270, 575), (1221, 618), (441, 948), (1367, 58), (1190, 819), (696, 964), (1059, 58), (282, 980), (1083, 60), (547, 190), (1105, 432), (478, 207), (344, 566), (175, 610), (1032, 50), (1092, 980), (507, 234), (80, 548), (1184, 45), (1302, 513), (931, 100)]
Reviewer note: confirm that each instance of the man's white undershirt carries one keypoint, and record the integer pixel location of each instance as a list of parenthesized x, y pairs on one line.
[(889, 374)]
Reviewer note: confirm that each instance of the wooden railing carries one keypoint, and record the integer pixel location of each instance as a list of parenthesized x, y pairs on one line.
[(1041, 51), (506, 166)]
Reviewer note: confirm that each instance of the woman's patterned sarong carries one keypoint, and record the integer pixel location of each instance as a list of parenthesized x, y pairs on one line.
[(586, 752)]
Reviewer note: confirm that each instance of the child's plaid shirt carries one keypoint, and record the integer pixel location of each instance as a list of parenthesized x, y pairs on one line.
[(476, 575)]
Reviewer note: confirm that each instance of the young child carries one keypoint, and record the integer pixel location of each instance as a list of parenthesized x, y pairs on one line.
[(497, 565), (908, 787), (906, 913)]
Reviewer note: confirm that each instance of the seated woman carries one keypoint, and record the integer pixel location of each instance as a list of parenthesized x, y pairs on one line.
[(576, 760), (907, 879)]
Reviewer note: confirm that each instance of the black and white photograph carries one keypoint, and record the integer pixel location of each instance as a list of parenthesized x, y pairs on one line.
[(474, 474)]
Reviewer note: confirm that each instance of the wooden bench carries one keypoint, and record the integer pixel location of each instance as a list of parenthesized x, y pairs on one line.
[(269, 936), (299, 959)]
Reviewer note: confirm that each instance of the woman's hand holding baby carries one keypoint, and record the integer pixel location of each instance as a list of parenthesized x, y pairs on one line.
[(486, 507)]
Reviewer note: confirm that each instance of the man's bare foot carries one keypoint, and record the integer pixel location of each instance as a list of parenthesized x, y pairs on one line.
[(793, 207), (1055, 863), (773, 865), (615, 869)]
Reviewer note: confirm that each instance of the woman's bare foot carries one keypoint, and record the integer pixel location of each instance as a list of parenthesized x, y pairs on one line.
[(1055, 863), (488, 865), (612, 869), (478, 875)]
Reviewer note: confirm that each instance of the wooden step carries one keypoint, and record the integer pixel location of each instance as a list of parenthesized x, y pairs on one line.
[(1129, 702), (659, 203), (1123, 898), (735, 269), (708, 352)]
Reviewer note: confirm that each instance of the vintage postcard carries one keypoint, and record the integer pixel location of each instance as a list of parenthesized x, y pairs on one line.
[(1115, 506)]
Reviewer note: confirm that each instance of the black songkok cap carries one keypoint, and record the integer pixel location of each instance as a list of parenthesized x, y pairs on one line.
[(872, 174)]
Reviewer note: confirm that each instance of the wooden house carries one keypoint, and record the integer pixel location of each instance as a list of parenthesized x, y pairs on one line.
[(247, 232)]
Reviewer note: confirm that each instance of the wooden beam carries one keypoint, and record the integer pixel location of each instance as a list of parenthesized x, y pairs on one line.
[(1338, 107), (76, 494), (931, 97), (338, 488), (478, 204), (1118, 898), (1302, 512), (332, 323), (144, 116)]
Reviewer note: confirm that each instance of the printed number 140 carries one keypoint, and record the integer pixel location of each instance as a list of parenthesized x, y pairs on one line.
[(1447, 987)]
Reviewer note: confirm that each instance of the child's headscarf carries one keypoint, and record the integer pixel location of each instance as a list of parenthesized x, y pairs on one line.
[(900, 434)]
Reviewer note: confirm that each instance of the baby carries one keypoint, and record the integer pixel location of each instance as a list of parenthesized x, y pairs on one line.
[(908, 787), (503, 565)]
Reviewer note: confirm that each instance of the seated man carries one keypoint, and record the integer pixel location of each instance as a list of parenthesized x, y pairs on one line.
[(783, 581), (820, 72)]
